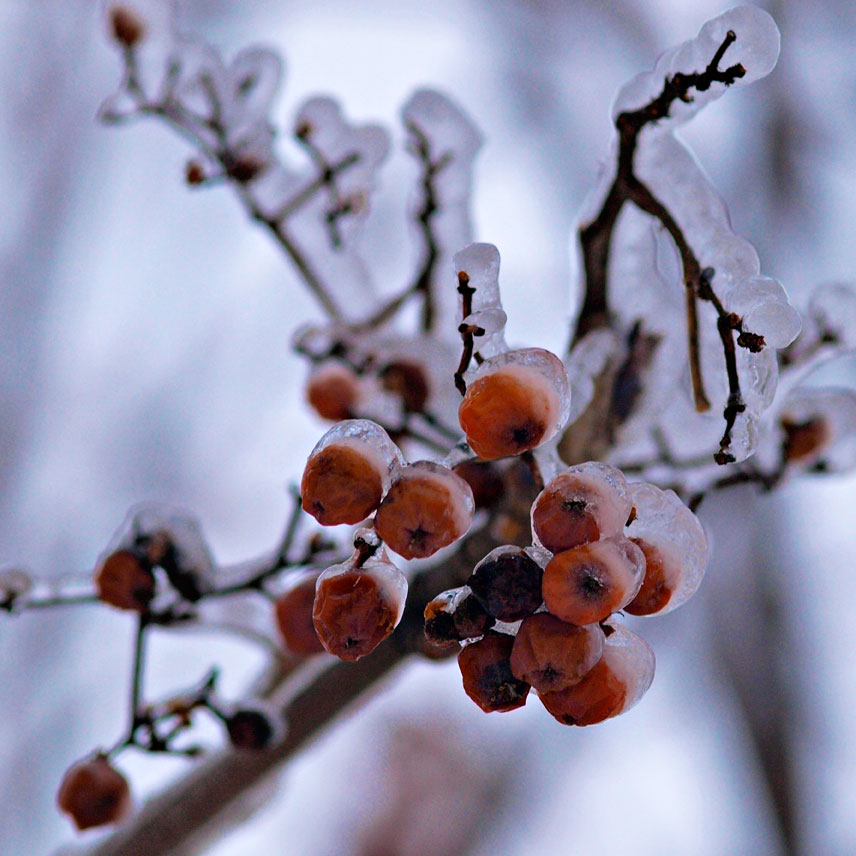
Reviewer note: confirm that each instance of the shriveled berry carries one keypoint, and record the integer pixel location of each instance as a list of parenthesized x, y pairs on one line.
[(487, 676), (250, 729), (333, 391), (426, 508), (507, 583), (485, 481), (587, 584), (357, 608), (294, 618), (551, 654), (93, 793), (126, 26), (124, 580), (516, 403), (455, 615), (408, 381), (580, 505), (342, 483), (618, 680), (656, 592)]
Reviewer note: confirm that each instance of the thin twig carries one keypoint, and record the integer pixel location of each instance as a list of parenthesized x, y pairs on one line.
[(468, 331)]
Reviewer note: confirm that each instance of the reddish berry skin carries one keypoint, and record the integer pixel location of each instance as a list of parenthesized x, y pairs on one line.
[(341, 484), (553, 655), (408, 381), (333, 391), (124, 581), (294, 619), (487, 675), (507, 583), (601, 694), (93, 793), (655, 593), (424, 511), (561, 523), (485, 481), (502, 416), (587, 584), (351, 614)]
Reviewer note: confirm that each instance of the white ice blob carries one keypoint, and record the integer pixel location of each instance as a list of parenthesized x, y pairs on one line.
[(631, 659), (833, 410), (833, 307), (481, 264), (763, 305)]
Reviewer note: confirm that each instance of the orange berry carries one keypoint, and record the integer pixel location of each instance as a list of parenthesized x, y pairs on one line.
[(357, 608), (487, 675), (294, 618), (551, 654), (617, 681), (124, 581), (516, 402), (342, 483), (587, 584), (408, 381), (333, 391), (426, 508), (580, 505), (93, 793), (656, 592)]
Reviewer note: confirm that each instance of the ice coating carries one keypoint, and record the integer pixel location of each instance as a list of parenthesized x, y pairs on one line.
[(444, 142), (13, 584), (370, 439), (756, 48), (631, 659), (836, 408), (833, 308), (541, 370), (601, 488), (763, 304), (481, 264), (585, 363), (664, 522)]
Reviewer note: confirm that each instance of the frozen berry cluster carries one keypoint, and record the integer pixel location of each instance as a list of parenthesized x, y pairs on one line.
[(543, 616)]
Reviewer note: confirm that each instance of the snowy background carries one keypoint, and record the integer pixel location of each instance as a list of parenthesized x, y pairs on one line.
[(144, 354)]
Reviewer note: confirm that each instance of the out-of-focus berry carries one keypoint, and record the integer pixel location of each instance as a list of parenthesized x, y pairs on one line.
[(485, 481), (618, 680), (552, 655), (675, 549), (487, 676), (252, 728), (357, 608), (408, 381), (517, 401), (803, 440), (455, 615), (333, 391), (427, 508), (507, 583), (579, 505), (124, 581), (587, 584), (93, 793), (125, 25), (294, 618)]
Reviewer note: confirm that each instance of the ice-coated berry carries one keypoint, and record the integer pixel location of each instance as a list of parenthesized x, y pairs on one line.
[(485, 481), (93, 793), (581, 504), (507, 583), (333, 390), (357, 608), (408, 381), (125, 581), (587, 584), (551, 654), (347, 472), (426, 508), (517, 401), (616, 682), (294, 618), (455, 615), (487, 676), (251, 729)]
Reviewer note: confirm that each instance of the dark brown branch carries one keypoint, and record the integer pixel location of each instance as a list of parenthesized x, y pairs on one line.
[(468, 331), (596, 237)]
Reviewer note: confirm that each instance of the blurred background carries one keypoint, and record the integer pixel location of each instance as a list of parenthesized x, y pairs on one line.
[(144, 354)]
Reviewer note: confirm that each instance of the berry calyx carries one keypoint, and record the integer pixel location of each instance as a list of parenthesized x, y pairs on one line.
[(93, 793), (126, 26), (487, 676)]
